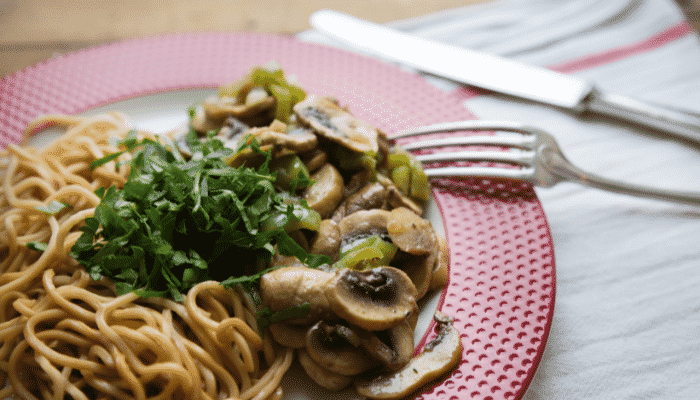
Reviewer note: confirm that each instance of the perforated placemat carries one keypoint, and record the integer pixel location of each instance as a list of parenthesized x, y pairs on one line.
[(502, 278)]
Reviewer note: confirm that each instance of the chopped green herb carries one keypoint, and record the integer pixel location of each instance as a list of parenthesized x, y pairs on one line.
[(53, 208), (179, 222), (104, 160), (192, 111), (38, 246)]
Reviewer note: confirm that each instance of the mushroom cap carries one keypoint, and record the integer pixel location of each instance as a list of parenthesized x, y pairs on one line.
[(439, 356), (337, 124), (325, 378), (294, 286), (201, 123), (372, 195), (314, 159), (413, 234), (336, 347), (374, 299), (295, 141), (393, 348), (363, 224), (441, 271), (219, 108), (287, 335), (232, 128), (327, 240), (419, 269), (396, 198), (326, 192)]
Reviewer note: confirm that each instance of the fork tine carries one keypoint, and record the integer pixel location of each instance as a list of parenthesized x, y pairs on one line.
[(515, 157), (470, 125), (524, 140), (521, 174), (519, 141)]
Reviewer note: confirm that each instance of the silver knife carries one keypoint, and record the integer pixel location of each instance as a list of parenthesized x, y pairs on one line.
[(501, 75)]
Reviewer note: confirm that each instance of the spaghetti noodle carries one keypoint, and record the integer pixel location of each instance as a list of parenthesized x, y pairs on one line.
[(64, 335)]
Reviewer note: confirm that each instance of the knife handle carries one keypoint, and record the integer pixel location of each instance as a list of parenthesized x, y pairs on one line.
[(679, 123)]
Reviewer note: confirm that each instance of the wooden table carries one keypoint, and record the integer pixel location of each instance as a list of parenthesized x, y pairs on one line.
[(34, 30)]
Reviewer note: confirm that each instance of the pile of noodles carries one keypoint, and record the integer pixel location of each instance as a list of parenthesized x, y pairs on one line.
[(63, 335)]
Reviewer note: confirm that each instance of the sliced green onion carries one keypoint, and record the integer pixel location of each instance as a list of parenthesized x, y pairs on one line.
[(366, 253), (420, 188), (401, 176), (305, 219), (291, 172)]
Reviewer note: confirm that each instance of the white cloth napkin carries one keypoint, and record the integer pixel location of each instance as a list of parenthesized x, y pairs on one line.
[(627, 316)]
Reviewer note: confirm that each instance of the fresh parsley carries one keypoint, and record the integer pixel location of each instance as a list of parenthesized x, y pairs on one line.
[(53, 208), (38, 246), (179, 222)]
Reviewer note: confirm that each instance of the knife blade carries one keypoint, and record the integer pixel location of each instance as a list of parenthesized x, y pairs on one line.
[(502, 75)]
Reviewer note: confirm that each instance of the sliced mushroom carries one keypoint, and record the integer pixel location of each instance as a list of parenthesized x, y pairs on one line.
[(326, 192), (256, 109), (357, 181), (280, 261), (295, 141), (325, 378), (420, 270), (371, 196), (255, 103), (384, 147), (363, 224), (393, 348), (272, 137), (439, 356), (314, 159), (337, 124), (441, 273), (336, 347), (365, 242), (412, 319), (202, 124), (375, 299), (413, 234), (232, 129), (396, 198), (327, 241), (294, 286), (288, 335)]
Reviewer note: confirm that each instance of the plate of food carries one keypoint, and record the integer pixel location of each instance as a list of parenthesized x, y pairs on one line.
[(183, 218)]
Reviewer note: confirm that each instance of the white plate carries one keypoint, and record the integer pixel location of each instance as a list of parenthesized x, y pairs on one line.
[(502, 277)]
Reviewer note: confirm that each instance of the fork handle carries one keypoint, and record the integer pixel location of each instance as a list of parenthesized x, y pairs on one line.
[(559, 165), (682, 124)]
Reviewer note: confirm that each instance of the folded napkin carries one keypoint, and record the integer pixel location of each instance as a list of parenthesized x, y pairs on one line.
[(627, 316)]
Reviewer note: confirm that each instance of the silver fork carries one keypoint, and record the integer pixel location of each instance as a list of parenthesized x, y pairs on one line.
[(541, 161)]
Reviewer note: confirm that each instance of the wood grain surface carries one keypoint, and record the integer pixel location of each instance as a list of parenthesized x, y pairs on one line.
[(35, 30)]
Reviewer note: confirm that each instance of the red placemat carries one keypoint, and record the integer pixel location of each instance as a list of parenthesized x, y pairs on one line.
[(502, 277)]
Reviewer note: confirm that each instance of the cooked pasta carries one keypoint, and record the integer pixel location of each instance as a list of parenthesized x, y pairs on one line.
[(64, 335)]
